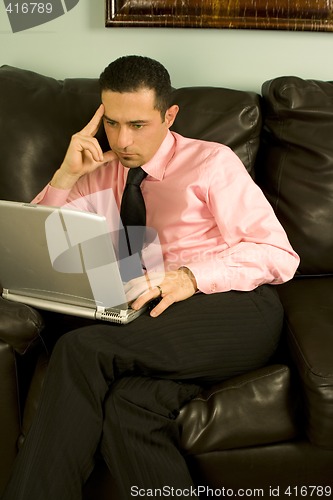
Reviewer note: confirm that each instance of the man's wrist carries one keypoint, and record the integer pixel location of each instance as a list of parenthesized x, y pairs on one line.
[(61, 180)]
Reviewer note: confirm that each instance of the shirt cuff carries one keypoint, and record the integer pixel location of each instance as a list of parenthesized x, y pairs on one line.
[(210, 279), (51, 196)]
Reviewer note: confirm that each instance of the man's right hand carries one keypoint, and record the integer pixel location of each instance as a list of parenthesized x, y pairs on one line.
[(83, 156)]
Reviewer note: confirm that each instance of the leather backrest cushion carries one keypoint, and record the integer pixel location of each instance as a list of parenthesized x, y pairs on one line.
[(39, 114), (296, 165), (227, 116)]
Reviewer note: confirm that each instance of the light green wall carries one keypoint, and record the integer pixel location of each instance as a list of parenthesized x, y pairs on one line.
[(78, 44)]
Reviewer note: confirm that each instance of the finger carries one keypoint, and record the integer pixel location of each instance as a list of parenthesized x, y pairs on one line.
[(137, 288), (84, 143), (145, 297), (166, 302), (144, 283), (109, 156), (92, 127)]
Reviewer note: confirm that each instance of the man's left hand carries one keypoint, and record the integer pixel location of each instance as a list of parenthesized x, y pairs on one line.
[(172, 287)]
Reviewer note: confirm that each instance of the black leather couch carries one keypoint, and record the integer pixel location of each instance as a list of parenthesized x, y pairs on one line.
[(267, 432)]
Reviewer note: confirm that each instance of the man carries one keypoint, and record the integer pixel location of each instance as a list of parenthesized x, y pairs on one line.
[(118, 390)]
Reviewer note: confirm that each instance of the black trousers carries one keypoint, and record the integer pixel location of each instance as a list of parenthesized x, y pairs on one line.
[(118, 389)]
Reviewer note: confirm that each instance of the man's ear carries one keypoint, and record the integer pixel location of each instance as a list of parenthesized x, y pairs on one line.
[(171, 114)]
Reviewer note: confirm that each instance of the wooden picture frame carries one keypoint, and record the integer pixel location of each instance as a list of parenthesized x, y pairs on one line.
[(304, 15)]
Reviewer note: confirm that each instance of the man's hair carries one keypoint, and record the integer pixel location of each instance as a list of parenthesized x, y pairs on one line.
[(133, 73)]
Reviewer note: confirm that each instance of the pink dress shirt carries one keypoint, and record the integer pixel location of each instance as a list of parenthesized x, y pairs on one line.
[(209, 214)]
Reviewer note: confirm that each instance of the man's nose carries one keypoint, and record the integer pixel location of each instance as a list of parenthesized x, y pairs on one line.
[(124, 138)]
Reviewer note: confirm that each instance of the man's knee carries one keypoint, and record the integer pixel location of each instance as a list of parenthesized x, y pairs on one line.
[(159, 396), (76, 342)]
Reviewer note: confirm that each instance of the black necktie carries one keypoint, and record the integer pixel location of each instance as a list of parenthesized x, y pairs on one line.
[(133, 210)]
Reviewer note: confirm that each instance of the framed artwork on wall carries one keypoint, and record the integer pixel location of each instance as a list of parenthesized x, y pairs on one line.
[(303, 15)]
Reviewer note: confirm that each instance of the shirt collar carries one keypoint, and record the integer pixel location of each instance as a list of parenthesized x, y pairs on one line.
[(157, 165)]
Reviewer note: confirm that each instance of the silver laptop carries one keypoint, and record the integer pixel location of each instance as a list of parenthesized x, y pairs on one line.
[(62, 260)]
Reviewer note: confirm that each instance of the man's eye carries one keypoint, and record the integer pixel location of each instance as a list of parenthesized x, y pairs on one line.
[(137, 126), (110, 123)]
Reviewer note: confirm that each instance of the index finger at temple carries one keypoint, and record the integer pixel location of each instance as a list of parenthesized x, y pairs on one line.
[(92, 126)]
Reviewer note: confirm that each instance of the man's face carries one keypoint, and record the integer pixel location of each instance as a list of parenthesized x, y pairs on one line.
[(134, 128)]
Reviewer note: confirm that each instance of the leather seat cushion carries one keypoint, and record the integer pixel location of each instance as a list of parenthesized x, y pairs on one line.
[(252, 409)]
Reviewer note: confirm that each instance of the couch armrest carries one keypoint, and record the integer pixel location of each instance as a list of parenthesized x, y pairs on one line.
[(308, 304), (20, 325)]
